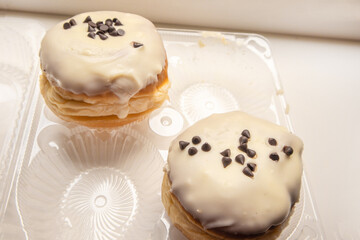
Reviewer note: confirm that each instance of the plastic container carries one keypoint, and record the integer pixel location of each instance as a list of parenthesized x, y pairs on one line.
[(62, 181)]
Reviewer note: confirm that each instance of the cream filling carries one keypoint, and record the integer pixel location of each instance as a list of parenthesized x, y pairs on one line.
[(136, 105)]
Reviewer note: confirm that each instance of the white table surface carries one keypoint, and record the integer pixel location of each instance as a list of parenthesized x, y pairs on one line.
[(321, 78)]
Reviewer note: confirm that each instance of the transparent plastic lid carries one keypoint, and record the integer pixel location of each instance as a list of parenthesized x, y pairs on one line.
[(62, 181)]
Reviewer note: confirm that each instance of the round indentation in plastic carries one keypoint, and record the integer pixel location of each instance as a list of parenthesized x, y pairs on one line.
[(102, 194), (166, 122), (92, 185), (203, 99)]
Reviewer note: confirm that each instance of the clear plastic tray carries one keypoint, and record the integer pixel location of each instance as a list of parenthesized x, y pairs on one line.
[(62, 181)]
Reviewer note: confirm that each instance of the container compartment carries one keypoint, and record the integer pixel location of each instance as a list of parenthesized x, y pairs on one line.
[(85, 184)]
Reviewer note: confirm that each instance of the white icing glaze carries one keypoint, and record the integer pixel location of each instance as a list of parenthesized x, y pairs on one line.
[(225, 199), (80, 64)]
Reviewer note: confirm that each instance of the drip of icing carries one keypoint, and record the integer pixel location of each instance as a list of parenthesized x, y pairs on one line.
[(80, 64), (226, 198)]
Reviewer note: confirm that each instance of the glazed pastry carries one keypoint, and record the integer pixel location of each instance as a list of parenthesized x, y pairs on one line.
[(103, 69), (232, 176)]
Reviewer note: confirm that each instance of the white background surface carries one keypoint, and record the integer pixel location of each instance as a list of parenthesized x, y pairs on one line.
[(330, 18), (321, 78)]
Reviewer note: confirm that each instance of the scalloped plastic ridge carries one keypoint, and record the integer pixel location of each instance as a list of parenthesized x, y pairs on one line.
[(18, 68)]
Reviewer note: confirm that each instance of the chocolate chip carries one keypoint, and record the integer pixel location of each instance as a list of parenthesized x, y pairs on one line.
[(100, 32), (92, 24), (196, 140), (111, 29), (87, 19), (274, 156), (183, 144), (226, 153), (109, 22), (251, 153), (92, 35), (67, 25), (272, 141), (247, 171), (121, 32), (137, 45), (117, 22), (206, 147), (240, 159), (192, 151), (288, 150), (103, 36), (99, 23), (226, 161), (104, 28), (243, 147), (113, 33), (114, 19), (91, 29), (243, 140), (246, 133), (72, 22), (252, 166)]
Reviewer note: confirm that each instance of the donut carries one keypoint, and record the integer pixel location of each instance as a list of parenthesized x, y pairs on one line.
[(232, 176), (103, 69)]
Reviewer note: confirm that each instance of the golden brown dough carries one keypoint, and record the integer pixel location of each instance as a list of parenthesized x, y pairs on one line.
[(98, 111)]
